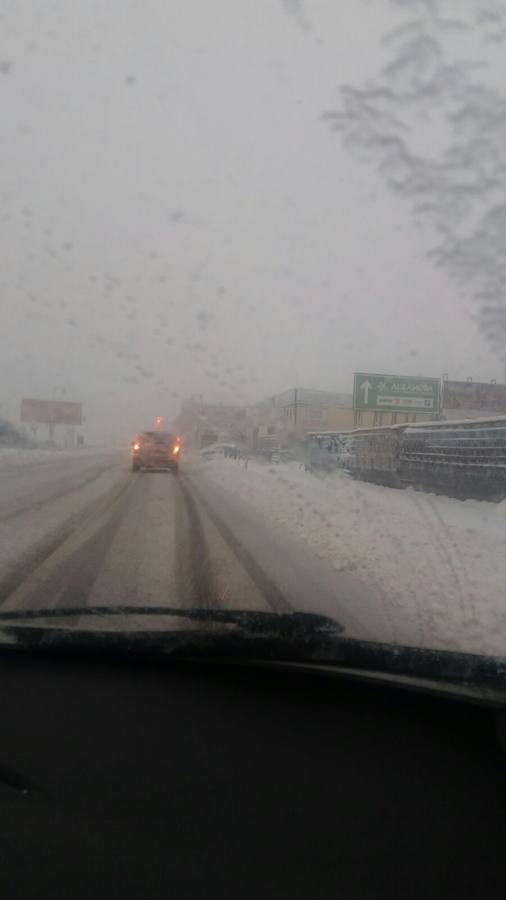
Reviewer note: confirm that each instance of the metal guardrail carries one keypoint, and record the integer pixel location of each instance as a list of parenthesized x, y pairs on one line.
[(463, 459)]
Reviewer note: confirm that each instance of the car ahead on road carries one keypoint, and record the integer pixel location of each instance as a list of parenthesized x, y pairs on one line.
[(155, 450)]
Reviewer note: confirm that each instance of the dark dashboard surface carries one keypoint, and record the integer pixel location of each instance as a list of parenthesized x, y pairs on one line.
[(130, 779)]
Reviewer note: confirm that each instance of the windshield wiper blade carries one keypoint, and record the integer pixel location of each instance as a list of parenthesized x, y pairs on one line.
[(295, 637), (250, 620)]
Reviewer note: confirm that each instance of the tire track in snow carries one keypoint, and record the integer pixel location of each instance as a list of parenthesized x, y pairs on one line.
[(29, 565)]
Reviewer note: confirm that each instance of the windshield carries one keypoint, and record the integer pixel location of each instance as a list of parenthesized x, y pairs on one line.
[(254, 328)]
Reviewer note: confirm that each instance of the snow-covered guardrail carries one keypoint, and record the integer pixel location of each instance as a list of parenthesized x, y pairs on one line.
[(465, 458)]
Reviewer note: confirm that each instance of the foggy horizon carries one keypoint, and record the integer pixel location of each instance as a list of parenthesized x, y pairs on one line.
[(178, 220)]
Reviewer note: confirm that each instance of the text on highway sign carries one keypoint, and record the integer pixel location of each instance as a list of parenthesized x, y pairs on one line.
[(396, 393)]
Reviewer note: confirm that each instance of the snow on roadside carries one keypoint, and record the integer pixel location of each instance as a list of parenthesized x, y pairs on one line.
[(439, 564), (12, 457)]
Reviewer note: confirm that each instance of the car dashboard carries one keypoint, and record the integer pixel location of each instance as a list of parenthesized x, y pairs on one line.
[(131, 778)]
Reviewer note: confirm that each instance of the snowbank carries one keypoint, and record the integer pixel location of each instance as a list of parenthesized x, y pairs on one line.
[(438, 564), (12, 457)]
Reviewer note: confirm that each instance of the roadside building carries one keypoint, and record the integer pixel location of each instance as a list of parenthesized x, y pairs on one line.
[(304, 410), (203, 423)]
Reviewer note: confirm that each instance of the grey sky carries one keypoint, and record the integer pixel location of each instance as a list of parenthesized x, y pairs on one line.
[(176, 218)]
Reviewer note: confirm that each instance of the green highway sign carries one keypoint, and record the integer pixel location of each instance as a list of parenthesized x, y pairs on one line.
[(396, 393)]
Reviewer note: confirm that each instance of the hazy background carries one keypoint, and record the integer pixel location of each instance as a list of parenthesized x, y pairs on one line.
[(178, 219)]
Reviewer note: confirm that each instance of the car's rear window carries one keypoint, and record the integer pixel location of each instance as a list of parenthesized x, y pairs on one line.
[(157, 437)]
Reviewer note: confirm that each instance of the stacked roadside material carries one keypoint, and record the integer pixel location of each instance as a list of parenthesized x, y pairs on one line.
[(464, 459), (461, 459)]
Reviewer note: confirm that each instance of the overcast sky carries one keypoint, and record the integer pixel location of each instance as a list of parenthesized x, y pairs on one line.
[(177, 219)]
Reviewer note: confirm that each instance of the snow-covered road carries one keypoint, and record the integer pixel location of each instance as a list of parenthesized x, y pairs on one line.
[(402, 567), (432, 570), (85, 530), (43, 497)]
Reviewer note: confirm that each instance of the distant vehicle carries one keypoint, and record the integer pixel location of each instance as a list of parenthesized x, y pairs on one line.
[(208, 438), (231, 450), (155, 450), (9, 436), (213, 450)]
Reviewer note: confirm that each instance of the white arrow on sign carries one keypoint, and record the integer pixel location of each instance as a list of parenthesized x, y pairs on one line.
[(366, 386)]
